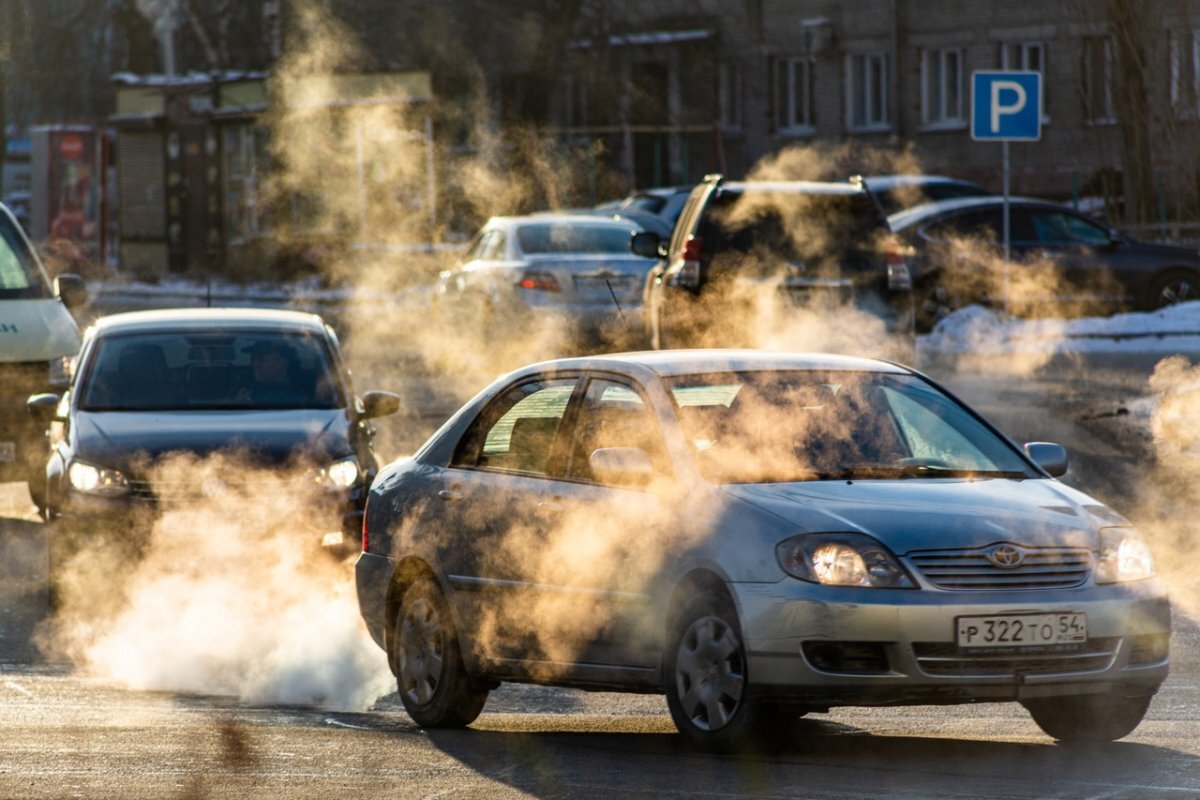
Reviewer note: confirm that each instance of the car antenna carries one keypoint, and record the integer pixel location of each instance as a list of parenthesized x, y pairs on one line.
[(616, 302)]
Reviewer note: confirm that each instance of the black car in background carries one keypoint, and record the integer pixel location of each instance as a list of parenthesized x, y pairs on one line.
[(1063, 262), (898, 192), (810, 242), (261, 389)]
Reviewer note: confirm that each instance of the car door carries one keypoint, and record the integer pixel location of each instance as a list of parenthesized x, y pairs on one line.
[(608, 531), (489, 512), (1080, 251)]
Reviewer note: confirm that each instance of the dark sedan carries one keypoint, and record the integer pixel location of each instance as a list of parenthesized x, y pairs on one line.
[(1063, 262), (238, 390)]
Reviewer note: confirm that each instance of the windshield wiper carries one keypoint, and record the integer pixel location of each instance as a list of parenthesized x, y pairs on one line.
[(881, 472)]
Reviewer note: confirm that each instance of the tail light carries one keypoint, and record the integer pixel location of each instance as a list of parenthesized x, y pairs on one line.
[(538, 281), (895, 255), (687, 274)]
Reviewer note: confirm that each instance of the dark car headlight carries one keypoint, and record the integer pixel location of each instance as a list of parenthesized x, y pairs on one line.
[(842, 559), (341, 474), (1124, 556), (91, 479)]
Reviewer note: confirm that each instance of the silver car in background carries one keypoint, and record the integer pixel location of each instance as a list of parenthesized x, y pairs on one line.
[(573, 269), (758, 536)]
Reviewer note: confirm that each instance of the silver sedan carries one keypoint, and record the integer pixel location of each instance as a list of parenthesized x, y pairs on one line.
[(759, 536)]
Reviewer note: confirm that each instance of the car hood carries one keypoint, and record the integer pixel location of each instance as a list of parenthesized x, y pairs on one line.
[(117, 438), (917, 514)]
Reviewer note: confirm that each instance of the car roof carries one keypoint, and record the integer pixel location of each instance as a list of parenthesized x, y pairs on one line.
[(666, 363), (926, 211), (208, 319), (885, 182), (799, 187)]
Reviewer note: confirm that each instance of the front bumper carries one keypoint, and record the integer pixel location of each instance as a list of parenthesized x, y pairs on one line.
[(902, 647)]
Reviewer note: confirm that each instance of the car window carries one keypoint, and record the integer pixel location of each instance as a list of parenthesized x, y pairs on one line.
[(983, 223), (1060, 228), (19, 273), (493, 248), (767, 427), (573, 237), (516, 432), (201, 370), (477, 246), (614, 415)]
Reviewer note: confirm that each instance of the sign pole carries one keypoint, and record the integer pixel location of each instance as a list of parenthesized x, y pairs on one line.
[(1007, 225)]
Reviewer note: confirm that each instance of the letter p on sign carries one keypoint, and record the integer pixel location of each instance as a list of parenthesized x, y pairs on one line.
[(1006, 106)]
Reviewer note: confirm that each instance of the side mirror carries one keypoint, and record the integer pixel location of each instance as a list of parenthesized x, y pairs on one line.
[(42, 407), (379, 404), (1049, 456), (622, 466), (646, 244), (71, 290)]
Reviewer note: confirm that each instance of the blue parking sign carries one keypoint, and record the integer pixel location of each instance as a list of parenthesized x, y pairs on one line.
[(1006, 106)]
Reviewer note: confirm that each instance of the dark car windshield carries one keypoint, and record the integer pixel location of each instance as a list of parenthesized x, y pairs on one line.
[(769, 427), (573, 237), (166, 371), (768, 227), (20, 276)]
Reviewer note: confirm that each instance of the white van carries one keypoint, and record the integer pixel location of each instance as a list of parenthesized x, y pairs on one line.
[(38, 340)]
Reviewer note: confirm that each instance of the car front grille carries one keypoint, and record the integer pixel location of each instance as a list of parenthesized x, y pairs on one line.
[(1041, 568), (166, 492), (941, 659)]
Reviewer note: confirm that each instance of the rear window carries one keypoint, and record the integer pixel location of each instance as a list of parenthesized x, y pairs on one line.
[(790, 226), (573, 237)]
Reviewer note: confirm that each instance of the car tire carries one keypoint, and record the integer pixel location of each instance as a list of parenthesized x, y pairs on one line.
[(427, 661), (1088, 718), (705, 677), (1172, 288)]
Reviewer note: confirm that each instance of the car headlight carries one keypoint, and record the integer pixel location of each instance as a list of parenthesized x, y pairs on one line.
[(90, 479), (842, 559), (1124, 556), (340, 474)]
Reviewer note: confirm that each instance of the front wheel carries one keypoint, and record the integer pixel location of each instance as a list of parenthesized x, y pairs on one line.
[(705, 676), (1088, 718), (1180, 286), (427, 662)]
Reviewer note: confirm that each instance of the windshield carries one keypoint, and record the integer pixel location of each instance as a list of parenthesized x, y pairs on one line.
[(20, 276), (573, 237), (167, 371), (769, 427)]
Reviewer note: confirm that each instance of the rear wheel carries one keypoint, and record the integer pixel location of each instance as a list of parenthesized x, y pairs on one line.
[(1180, 286), (1088, 718), (706, 679), (427, 661)]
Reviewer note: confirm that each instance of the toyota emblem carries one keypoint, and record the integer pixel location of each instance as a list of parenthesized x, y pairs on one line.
[(1006, 556)]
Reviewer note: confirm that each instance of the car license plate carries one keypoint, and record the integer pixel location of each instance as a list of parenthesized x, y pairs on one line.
[(8, 452), (1066, 630)]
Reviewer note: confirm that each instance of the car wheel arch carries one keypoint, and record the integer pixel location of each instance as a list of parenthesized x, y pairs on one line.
[(697, 581), (407, 572)]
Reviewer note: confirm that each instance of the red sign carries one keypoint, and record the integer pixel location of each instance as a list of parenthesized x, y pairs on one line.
[(71, 147)]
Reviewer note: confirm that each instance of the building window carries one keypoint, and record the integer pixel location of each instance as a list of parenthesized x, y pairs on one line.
[(1096, 78), (575, 103), (1185, 72), (867, 91), (942, 88), (1027, 57), (729, 95), (244, 150), (794, 95)]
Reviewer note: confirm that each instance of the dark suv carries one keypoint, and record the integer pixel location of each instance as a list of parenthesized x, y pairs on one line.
[(808, 242)]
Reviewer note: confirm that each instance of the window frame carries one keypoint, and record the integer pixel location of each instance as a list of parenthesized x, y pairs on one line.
[(1022, 48), (1189, 36), (859, 67), (1105, 81), (730, 96), (942, 118), (790, 120)]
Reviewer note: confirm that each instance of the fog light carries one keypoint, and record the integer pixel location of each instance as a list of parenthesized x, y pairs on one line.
[(1149, 649), (332, 539)]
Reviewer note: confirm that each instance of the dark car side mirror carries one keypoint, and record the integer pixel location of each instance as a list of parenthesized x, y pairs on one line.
[(42, 407), (379, 404), (1049, 456), (71, 290), (647, 244)]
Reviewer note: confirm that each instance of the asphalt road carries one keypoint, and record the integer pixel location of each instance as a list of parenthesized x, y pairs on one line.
[(64, 733)]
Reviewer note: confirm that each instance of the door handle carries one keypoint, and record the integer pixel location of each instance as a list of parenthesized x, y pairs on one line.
[(450, 495)]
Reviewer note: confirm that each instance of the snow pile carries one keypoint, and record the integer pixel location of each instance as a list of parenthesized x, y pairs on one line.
[(981, 331)]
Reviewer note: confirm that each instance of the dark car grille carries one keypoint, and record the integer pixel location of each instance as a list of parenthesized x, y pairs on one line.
[(1041, 568), (936, 658)]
